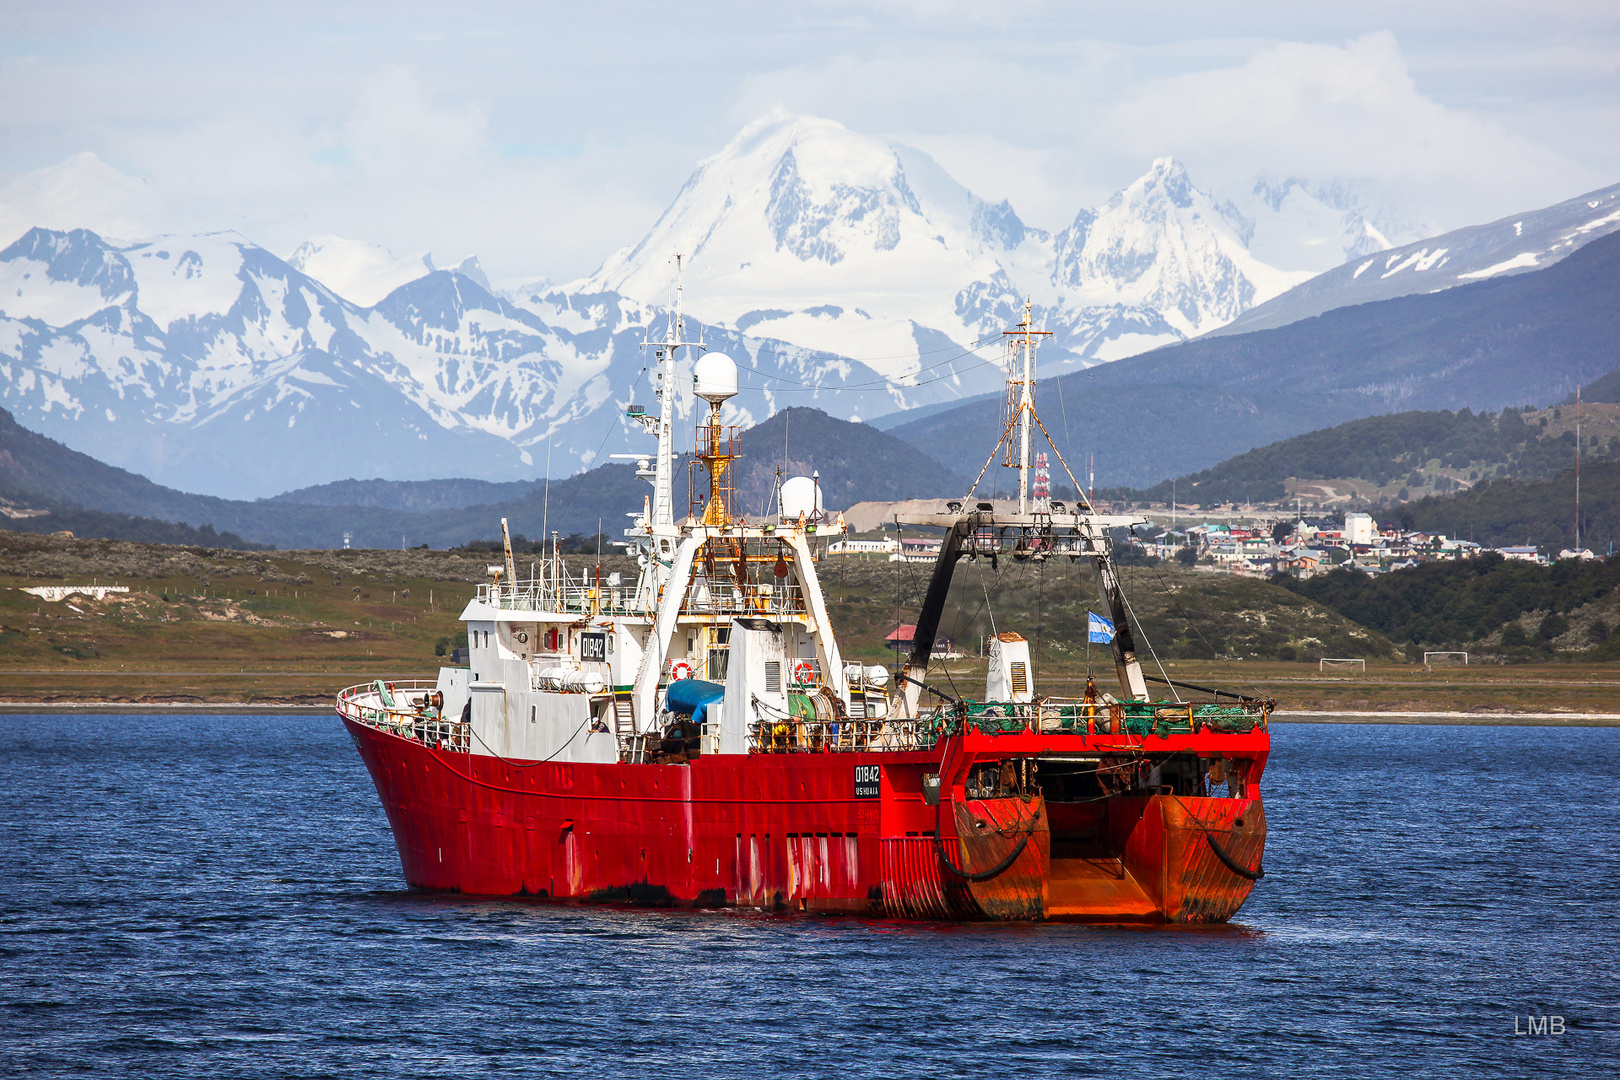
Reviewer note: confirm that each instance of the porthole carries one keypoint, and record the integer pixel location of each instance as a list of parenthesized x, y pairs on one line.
[(523, 638)]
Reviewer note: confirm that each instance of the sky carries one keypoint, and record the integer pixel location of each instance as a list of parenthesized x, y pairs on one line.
[(541, 137)]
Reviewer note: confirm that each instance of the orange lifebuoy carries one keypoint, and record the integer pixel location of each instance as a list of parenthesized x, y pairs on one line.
[(804, 672), (680, 669)]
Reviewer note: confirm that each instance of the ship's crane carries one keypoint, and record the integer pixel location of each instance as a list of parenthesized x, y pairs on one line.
[(1042, 529)]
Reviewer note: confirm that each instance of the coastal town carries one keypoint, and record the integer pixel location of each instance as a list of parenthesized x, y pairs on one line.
[(1255, 547)]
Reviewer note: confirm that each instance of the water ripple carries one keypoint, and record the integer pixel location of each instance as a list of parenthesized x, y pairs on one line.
[(221, 896)]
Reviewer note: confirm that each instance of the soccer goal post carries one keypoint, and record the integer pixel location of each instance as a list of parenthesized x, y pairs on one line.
[(1347, 661), (1444, 658)]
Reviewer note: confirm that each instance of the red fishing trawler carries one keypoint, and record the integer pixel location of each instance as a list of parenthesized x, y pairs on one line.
[(697, 739)]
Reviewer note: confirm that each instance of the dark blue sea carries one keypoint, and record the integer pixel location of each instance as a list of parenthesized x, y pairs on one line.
[(220, 896)]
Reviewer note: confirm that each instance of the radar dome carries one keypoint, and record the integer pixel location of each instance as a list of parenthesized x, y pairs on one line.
[(800, 495), (715, 376)]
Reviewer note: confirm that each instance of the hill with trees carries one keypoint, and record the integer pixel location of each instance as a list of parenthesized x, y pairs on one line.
[(1438, 450), (1540, 513), (28, 511), (1504, 342), (46, 487), (1508, 606)]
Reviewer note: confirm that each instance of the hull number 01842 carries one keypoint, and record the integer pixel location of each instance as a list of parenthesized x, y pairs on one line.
[(866, 781), (593, 647)]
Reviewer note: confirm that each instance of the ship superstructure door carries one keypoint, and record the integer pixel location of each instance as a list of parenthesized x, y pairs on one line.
[(1009, 677), (757, 676)]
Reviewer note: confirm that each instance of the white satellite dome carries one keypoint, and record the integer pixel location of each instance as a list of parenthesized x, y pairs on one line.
[(716, 377), (800, 495)]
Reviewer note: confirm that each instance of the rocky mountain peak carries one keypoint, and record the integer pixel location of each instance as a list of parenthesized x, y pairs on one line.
[(1168, 176), (76, 257)]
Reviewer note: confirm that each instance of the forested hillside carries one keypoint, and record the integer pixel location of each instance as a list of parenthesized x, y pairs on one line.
[(68, 490), (19, 509), (1516, 608), (1499, 343), (1507, 512), (1438, 450)]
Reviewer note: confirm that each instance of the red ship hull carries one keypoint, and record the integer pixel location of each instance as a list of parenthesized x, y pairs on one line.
[(802, 832)]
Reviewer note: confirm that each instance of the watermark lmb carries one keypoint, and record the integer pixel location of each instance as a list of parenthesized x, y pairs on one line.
[(1549, 1024)]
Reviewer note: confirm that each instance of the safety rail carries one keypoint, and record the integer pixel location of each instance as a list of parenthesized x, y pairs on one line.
[(1019, 542), (801, 735), (568, 599), (1077, 716), (803, 730), (720, 595), (717, 596), (403, 708)]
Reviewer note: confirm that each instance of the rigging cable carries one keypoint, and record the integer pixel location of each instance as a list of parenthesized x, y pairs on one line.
[(995, 871), (881, 383), (580, 481), (1131, 612), (1068, 440), (1193, 625)]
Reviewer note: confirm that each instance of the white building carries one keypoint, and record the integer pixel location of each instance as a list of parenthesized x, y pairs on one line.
[(863, 547), (1358, 529)]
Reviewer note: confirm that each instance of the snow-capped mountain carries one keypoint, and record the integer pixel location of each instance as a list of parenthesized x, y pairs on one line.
[(845, 243), (839, 270), (355, 270), (839, 243), (1299, 225), (1165, 248), (208, 364), (365, 273), (1512, 245)]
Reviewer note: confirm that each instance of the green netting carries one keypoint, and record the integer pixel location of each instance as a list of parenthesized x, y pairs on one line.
[(1138, 718)]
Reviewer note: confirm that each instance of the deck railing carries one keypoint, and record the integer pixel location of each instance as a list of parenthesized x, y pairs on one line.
[(407, 717), (571, 598), (1077, 716), (716, 595), (801, 732), (799, 735)]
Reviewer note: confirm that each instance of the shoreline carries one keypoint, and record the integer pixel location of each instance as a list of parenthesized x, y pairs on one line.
[(1444, 719), (115, 708), (1290, 716)]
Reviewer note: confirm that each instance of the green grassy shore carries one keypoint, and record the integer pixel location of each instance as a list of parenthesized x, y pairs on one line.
[(203, 627)]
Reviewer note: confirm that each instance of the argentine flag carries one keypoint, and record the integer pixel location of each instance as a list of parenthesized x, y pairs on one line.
[(1102, 631)]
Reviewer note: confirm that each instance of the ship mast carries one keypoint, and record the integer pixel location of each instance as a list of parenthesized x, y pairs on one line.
[(663, 500), (1022, 388), (1038, 531), (655, 530)]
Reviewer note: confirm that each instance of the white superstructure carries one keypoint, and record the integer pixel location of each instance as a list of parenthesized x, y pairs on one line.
[(574, 666)]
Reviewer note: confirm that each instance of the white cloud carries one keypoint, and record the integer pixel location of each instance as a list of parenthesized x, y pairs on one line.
[(403, 165), (543, 137), (1071, 122), (1352, 112), (399, 126)]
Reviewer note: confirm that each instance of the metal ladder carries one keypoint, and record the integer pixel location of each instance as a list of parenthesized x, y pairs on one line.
[(624, 723)]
